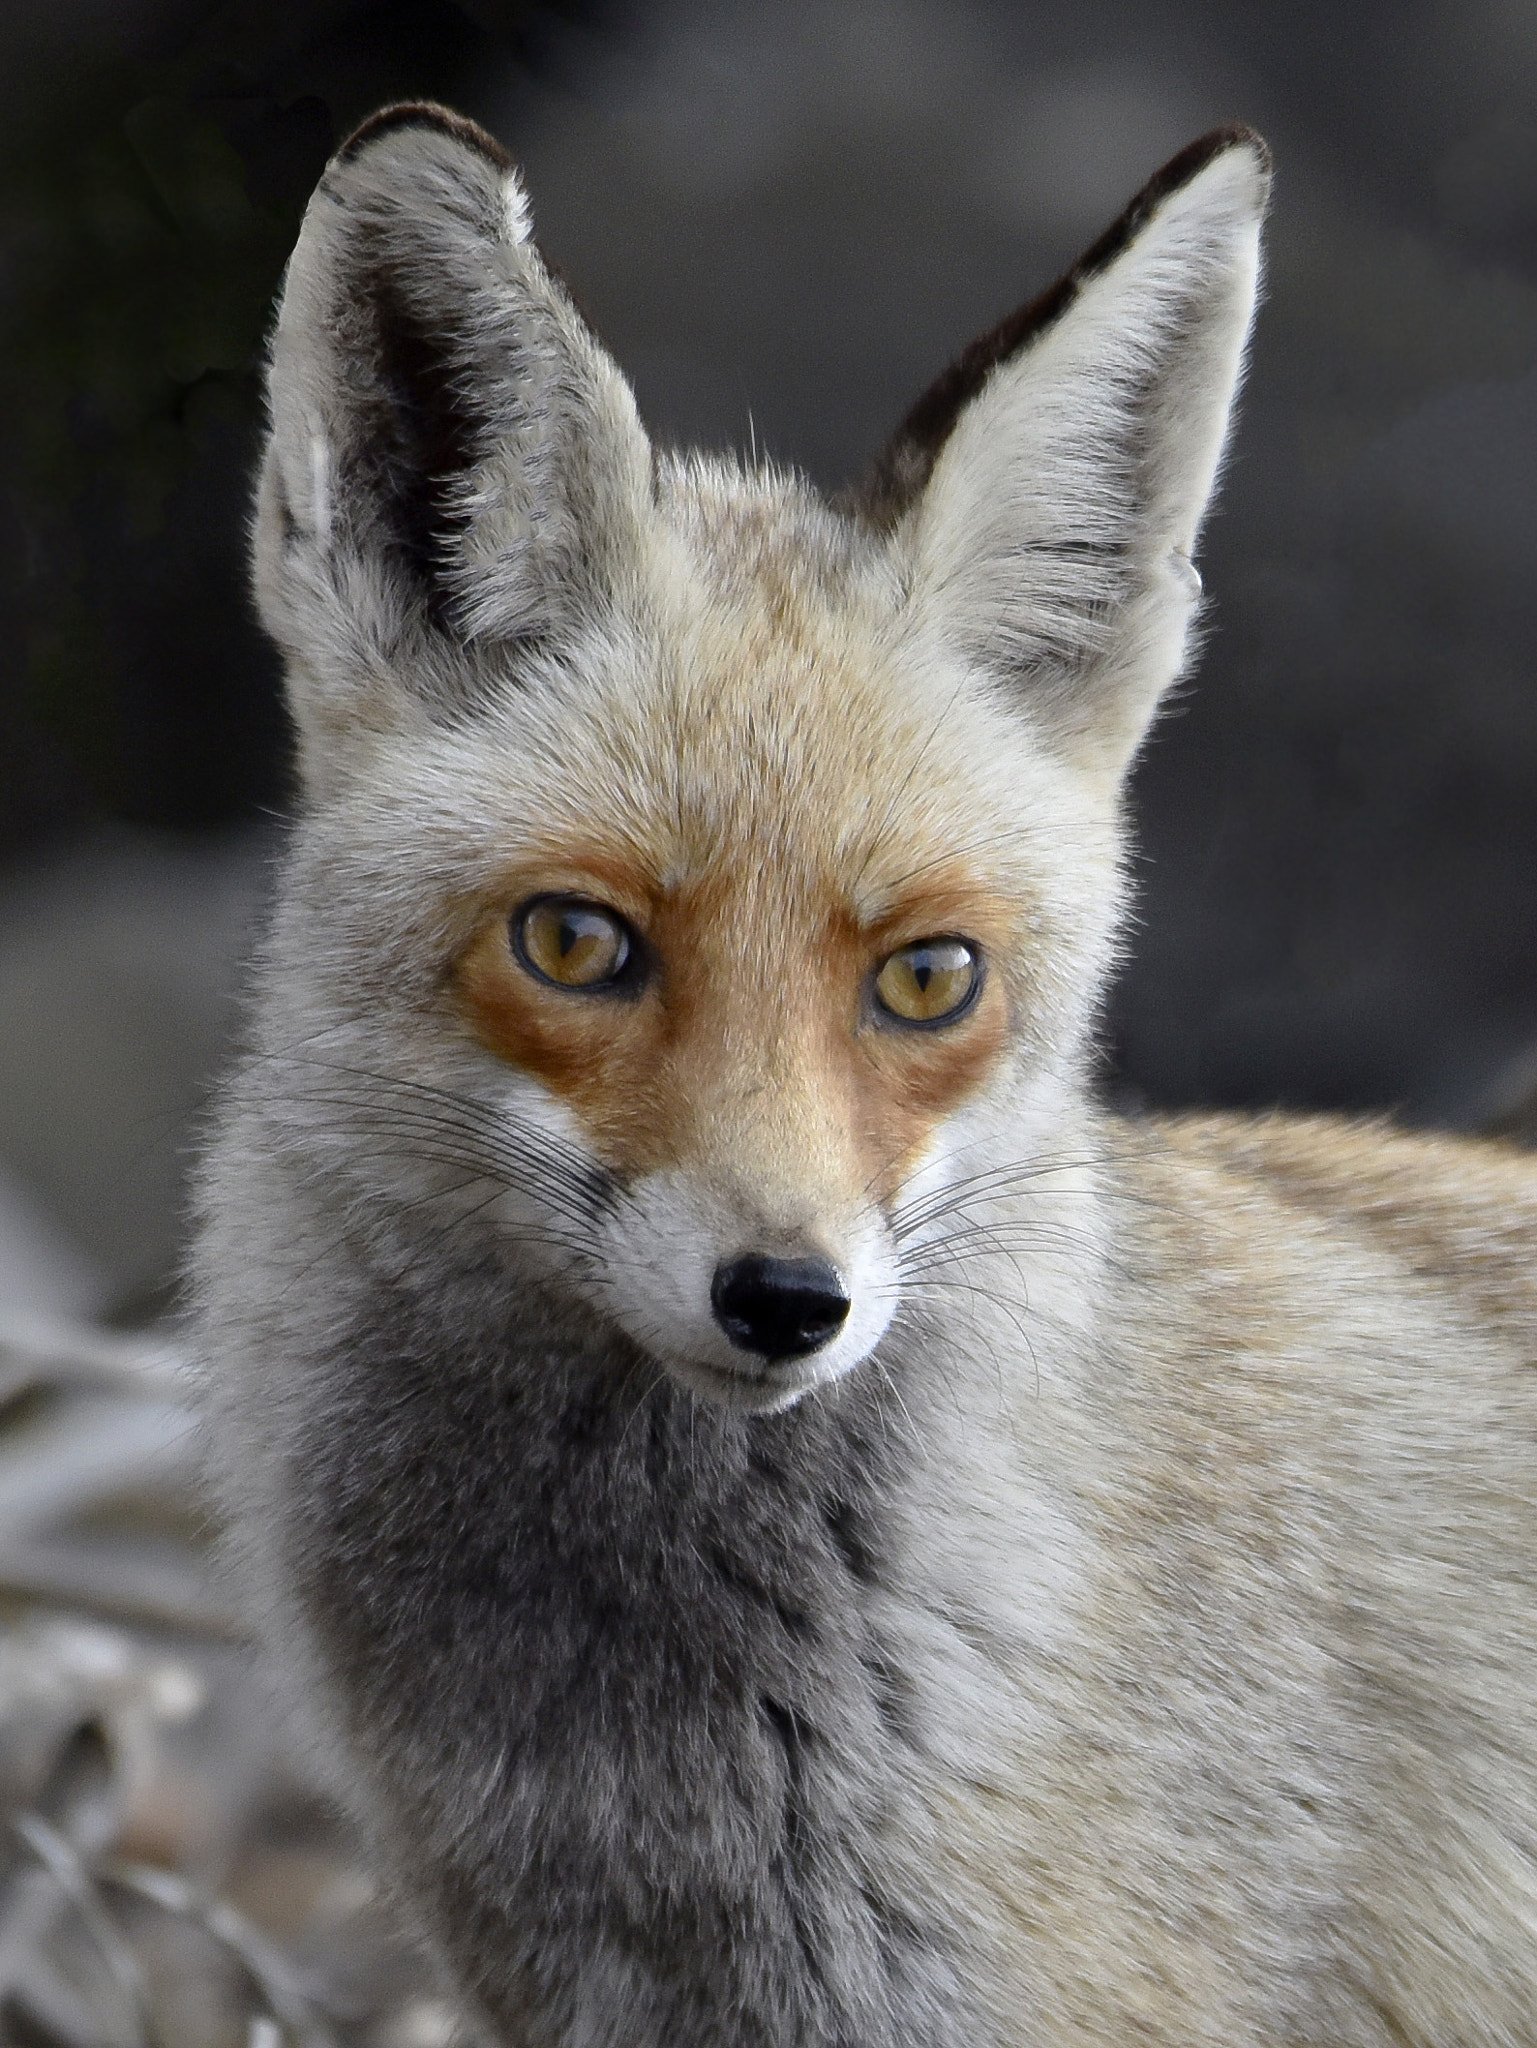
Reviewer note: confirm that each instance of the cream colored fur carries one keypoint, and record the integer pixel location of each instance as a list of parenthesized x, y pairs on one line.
[(1201, 1587)]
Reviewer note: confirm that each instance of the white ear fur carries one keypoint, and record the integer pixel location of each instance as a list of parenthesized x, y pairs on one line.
[(453, 458), (1053, 539)]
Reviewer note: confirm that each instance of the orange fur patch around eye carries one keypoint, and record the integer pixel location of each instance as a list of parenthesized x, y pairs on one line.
[(905, 1082), (588, 1045), (753, 1032)]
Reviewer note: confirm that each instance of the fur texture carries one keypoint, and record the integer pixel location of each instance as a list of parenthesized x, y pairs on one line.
[(1122, 1629)]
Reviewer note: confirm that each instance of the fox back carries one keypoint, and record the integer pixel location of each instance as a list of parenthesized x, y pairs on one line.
[(786, 1524)]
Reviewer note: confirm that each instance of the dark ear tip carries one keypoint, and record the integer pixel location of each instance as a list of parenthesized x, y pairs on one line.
[(424, 114), (902, 470), (1208, 147)]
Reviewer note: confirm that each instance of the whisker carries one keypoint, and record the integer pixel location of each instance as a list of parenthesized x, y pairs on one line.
[(659, 1373), (994, 1181), (1008, 1239), (967, 850), (896, 1393), (1013, 1311), (444, 1229), (579, 1185), (907, 780), (476, 1146)]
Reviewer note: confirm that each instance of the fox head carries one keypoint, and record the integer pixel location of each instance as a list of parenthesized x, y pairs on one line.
[(693, 875)]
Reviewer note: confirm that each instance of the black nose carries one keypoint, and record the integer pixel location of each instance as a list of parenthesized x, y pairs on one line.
[(782, 1308)]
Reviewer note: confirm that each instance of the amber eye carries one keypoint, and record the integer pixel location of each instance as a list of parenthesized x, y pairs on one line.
[(931, 982), (571, 943)]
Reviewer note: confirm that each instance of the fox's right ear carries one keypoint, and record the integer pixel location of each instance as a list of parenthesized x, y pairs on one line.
[(454, 463)]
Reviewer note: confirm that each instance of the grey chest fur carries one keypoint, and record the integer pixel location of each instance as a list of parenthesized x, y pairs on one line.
[(605, 1654)]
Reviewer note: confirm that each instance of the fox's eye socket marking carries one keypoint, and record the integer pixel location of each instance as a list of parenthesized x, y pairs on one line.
[(573, 944), (931, 982)]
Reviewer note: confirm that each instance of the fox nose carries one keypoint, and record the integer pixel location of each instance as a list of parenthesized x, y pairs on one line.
[(782, 1308)]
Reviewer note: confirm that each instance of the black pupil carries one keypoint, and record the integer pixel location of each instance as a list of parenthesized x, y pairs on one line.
[(923, 972), (576, 924)]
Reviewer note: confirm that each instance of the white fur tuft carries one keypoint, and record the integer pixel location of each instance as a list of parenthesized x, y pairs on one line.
[(519, 214)]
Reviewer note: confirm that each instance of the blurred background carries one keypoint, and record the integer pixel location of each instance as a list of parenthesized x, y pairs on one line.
[(785, 219)]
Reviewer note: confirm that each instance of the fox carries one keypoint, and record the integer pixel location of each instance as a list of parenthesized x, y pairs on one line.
[(787, 1521)]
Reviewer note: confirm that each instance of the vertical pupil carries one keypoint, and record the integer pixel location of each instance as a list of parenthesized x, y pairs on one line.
[(922, 973), (567, 935)]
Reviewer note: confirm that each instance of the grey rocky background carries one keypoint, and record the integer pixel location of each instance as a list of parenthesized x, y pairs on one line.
[(785, 219)]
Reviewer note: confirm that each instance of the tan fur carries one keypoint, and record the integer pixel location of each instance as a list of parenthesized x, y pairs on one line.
[(1316, 1509)]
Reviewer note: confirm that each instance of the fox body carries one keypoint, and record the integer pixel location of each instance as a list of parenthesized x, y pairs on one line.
[(788, 1524)]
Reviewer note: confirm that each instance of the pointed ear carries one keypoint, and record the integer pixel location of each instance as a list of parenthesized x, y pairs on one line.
[(1045, 496), (454, 461)]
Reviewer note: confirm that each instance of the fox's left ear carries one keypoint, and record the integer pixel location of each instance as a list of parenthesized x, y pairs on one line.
[(1045, 495)]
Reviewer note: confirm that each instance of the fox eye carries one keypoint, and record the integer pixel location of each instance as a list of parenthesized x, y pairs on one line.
[(931, 982), (573, 944)]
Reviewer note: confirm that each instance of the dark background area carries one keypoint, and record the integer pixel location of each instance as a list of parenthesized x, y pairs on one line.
[(784, 220)]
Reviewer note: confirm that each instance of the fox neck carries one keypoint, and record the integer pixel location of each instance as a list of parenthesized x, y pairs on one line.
[(632, 1631), (631, 1645)]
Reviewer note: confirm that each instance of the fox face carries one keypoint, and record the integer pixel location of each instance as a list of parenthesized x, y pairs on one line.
[(688, 866), (753, 995)]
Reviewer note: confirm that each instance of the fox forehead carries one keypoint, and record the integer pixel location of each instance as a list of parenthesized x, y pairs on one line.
[(751, 725), (760, 712)]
